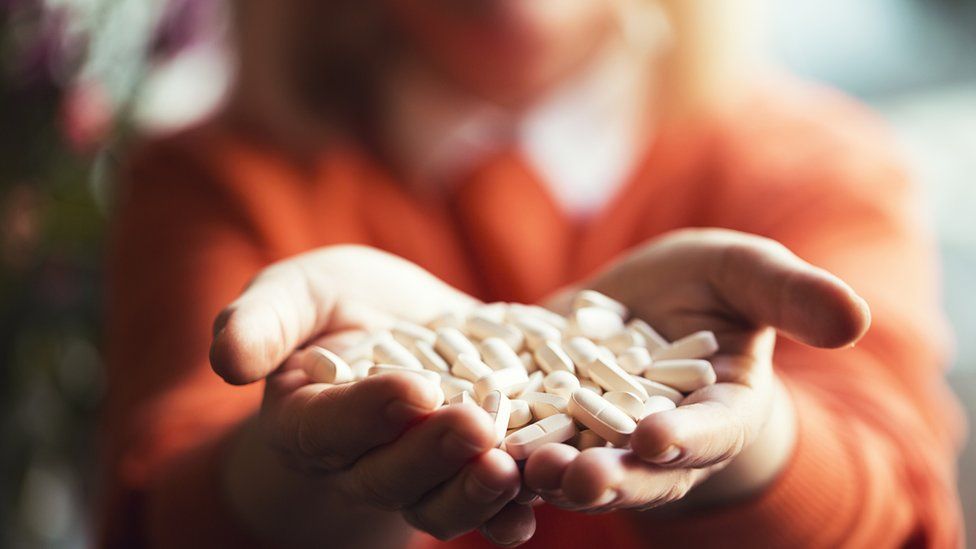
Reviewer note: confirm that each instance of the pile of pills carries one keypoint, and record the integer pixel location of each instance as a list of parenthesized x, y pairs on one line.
[(585, 379)]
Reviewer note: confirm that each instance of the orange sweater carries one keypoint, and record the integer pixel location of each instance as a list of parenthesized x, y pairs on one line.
[(202, 212)]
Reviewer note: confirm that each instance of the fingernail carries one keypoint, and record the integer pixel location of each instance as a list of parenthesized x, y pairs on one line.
[(456, 446), (479, 492), (669, 455), (608, 497), (399, 411)]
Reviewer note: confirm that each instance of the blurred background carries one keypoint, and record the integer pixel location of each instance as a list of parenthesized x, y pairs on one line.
[(78, 77)]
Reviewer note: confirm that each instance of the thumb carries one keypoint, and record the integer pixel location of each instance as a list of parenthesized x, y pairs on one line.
[(768, 285)]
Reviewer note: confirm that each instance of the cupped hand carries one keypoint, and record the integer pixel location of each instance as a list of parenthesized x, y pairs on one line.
[(382, 442), (745, 289)]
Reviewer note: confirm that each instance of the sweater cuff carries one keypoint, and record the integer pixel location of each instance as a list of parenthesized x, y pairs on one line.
[(798, 509), (186, 505)]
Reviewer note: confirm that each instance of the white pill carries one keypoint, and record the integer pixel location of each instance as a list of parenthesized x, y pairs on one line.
[(536, 331), (560, 383), (634, 360), (532, 385), (521, 414), (544, 405), (360, 369), (697, 345), (551, 357), (595, 412), (451, 342), (391, 352), (582, 351), (628, 403), (498, 355), (623, 340), (495, 311), (482, 327), (656, 404), (652, 340), (591, 385), (408, 334), (684, 375), (596, 323), (659, 389), (463, 397), (556, 428), (450, 319), (499, 408), (324, 366), (587, 438), (453, 385), (469, 367), (611, 377), (528, 362), (555, 320), (507, 381), (363, 349), (429, 358), (592, 298)]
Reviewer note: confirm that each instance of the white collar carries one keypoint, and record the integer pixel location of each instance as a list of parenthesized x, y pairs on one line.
[(583, 139)]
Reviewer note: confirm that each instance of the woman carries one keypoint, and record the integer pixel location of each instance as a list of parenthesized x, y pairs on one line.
[(510, 149)]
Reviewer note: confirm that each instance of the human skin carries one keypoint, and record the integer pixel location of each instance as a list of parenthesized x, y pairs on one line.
[(320, 459)]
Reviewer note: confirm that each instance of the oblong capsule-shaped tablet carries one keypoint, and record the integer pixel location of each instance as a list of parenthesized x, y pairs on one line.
[(482, 327), (623, 340), (697, 345), (429, 358), (556, 428), (655, 404), (453, 385), (582, 351), (532, 385), (591, 385), (360, 369), (470, 367), (595, 412), (499, 408), (408, 334), (587, 438), (499, 355), (560, 383), (363, 349), (634, 360), (536, 331), (495, 311), (544, 405), (611, 377), (516, 311), (392, 352), (463, 397), (593, 298), (451, 342), (323, 366), (506, 381), (551, 357), (449, 319), (528, 362), (660, 389), (652, 340), (521, 414), (627, 403), (684, 375), (596, 323)]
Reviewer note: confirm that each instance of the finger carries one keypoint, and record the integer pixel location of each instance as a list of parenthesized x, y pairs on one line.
[(770, 286), (603, 479), (469, 499), (545, 467), (512, 526), (430, 453), (330, 289), (333, 425)]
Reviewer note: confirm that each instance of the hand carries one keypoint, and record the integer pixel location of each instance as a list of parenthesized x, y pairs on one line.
[(743, 288), (357, 454)]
